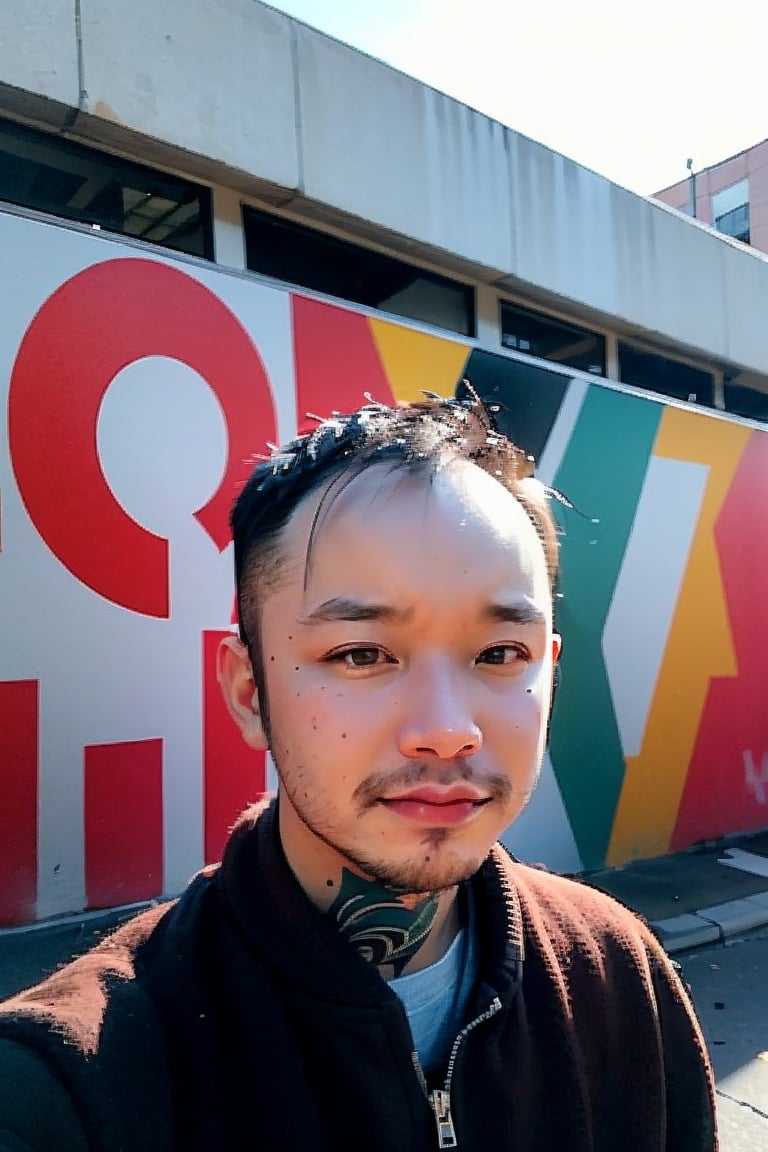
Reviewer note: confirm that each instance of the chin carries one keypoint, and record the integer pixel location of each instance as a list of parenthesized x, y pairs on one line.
[(434, 870)]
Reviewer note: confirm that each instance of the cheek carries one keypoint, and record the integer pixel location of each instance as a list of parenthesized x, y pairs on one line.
[(521, 716), (315, 714), (538, 684)]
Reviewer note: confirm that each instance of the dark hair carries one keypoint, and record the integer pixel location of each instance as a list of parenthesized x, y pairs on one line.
[(413, 438)]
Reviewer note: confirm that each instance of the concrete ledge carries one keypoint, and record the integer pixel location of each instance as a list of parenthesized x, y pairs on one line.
[(708, 925), (222, 86), (103, 919), (735, 916), (38, 49), (686, 931)]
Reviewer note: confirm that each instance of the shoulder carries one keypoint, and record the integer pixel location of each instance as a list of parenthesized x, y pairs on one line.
[(90, 1040), (604, 969), (573, 916), (587, 938), (72, 1003), (25, 1081)]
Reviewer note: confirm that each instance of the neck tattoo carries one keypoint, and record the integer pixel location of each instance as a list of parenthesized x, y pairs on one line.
[(385, 926)]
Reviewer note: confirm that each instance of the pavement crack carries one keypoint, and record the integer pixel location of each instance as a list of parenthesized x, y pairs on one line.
[(742, 1103)]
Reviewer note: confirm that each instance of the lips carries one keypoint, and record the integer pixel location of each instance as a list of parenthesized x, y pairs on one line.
[(439, 796), (436, 807)]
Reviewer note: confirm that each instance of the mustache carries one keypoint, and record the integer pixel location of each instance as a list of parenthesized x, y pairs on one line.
[(457, 771)]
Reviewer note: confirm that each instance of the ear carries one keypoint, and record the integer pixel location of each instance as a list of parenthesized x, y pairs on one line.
[(235, 675)]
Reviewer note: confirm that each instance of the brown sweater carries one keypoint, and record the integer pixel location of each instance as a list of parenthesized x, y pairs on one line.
[(238, 1017)]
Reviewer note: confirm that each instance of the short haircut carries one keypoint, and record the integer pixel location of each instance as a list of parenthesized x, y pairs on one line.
[(416, 439)]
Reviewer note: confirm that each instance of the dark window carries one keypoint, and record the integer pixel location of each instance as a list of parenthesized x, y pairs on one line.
[(539, 335), (735, 223), (669, 377), (311, 259), (749, 402), (54, 175)]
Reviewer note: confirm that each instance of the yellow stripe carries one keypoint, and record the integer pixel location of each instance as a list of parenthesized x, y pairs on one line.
[(415, 361), (699, 646)]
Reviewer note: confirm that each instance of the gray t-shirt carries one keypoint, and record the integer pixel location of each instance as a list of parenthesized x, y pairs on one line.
[(435, 998)]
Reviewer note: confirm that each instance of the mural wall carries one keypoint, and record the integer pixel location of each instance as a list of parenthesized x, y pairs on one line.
[(136, 390)]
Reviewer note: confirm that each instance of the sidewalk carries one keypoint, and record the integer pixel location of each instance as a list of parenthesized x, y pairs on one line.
[(699, 896), (691, 898)]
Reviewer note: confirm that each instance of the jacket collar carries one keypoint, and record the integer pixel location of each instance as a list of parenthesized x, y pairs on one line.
[(300, 943)]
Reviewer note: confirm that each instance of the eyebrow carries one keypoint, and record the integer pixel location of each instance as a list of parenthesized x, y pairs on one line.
[(344, 608), (520, 612)]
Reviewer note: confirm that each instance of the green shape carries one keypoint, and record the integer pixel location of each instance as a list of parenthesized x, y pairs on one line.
[(602, 473)]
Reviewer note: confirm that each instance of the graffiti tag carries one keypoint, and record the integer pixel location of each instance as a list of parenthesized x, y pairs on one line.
[(756, 779)]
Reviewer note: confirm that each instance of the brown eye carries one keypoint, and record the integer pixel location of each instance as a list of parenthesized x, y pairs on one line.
[(362, 657), (500, 654)]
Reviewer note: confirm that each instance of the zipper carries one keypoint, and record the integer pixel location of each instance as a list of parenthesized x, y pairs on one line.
[(440, 1099)]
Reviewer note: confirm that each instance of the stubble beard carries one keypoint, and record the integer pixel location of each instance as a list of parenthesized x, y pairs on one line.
[(420, 874)]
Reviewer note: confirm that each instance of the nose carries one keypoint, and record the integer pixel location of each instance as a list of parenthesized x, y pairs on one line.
[(439, 719)]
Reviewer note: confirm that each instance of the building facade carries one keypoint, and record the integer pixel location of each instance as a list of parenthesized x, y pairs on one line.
[(210, 227), (731, 196)]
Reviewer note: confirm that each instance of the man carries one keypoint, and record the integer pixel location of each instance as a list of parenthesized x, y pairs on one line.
[(368, 968)]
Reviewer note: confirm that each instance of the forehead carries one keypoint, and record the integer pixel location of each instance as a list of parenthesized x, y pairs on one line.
[(450, 534)]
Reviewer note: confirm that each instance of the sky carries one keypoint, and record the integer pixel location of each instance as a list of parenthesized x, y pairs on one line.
[(631, 90)]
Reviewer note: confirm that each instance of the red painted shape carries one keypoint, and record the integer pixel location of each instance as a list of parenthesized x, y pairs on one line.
[(337, 361), (19, 742), (234, 775), (92, 327), (727, 785), (123, 822)]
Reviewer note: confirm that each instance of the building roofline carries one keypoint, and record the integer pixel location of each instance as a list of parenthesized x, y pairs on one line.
[(710, 168), (301, 122)]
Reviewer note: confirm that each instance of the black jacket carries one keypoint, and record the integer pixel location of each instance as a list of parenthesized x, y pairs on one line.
[(238, 1017)]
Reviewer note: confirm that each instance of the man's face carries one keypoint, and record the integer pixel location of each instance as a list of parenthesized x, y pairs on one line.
[(408, 674)]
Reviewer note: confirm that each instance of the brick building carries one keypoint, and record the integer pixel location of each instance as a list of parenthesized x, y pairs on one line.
[(732, 196)]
